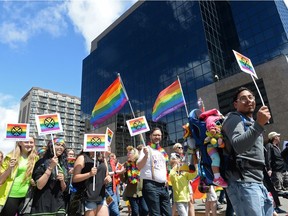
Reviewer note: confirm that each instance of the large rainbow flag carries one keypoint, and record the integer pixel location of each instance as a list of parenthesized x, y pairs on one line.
[(109, 103), (245, 64), (168, 100)]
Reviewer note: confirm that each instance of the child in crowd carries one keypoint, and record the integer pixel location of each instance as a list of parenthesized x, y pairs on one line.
[(211, 202), (180, 176)]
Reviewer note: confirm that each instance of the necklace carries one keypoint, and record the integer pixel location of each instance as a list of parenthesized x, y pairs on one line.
[(133, 172)]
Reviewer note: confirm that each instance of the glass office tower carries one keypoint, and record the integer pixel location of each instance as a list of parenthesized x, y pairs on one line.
[(154, 41)]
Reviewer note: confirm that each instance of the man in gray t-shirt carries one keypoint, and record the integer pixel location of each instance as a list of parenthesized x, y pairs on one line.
[(245, 188)]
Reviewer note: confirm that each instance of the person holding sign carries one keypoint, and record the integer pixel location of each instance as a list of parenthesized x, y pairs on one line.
[(15, 176), (152, 164), (245, 175), (84, 171), (50, 183)]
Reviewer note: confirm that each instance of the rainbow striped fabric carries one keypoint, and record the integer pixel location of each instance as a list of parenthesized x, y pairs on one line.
[(17, 131), (168, 100), (109, 134), (109, 103), (137, 125), (245, 64), (94, 142), (48, 123)]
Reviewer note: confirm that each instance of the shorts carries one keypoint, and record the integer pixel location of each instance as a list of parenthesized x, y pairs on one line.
[(90, 205)]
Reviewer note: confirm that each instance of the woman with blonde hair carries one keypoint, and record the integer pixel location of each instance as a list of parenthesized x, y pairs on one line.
[(15, 176), (133, 190)]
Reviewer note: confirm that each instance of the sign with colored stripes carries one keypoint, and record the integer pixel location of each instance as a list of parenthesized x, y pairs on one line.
[(17, 131), (95, 142), (137, 125), (48, 123)]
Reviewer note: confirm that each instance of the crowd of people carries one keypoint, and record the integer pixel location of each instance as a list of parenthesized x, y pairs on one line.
[(53, 181)]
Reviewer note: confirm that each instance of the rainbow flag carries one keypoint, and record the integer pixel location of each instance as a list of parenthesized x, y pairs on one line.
[(71, 161), (17, 131), (168, 100), (95, 142), (137, 125), (109, 103), (245, 64), (48, 123), (109, 134)]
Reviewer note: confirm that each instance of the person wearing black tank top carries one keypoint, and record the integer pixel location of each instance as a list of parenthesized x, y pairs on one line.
[(84, 171)]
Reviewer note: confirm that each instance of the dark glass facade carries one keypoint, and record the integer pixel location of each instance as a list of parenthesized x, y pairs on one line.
[(159, 40)]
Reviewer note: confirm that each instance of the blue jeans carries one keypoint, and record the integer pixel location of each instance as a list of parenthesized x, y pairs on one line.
[(138, 206), (250, 199), (157, 198), (113, 207)]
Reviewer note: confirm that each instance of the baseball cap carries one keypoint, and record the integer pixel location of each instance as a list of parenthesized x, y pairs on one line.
[(271, 135)]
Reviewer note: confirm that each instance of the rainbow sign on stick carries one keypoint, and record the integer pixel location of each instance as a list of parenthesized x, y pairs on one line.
[(17, 131), (137, 125), (48, 123), (245, 64), (109, 134), (95, 142)]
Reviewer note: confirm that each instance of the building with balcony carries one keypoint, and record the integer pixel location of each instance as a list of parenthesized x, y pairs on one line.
[(38, 101)]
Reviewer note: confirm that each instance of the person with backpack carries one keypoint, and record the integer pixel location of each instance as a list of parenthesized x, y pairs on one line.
[(244, 144), (276, 164)]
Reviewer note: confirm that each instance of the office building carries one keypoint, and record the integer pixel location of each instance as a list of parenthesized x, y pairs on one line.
[(38, 101), (154, 41)]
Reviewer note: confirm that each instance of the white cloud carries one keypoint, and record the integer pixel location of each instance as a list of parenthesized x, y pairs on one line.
[(22, 20), (9, 110), (92, 17)]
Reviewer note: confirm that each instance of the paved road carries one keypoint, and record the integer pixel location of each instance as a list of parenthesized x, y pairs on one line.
[(199, 206)]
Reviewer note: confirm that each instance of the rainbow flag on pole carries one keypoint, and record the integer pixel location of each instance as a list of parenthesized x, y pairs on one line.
[(168, 100), (109, 103), (245, 64), (109, 134)]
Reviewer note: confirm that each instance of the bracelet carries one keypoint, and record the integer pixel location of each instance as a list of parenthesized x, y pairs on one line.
[(47, 173)]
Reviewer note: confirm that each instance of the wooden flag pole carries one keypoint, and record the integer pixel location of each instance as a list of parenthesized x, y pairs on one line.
[(183, 96), (262, 101), (94, 177), (141, 135), (54, 151)]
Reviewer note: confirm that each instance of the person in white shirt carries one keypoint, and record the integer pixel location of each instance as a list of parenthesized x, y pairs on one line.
[(152, 164)]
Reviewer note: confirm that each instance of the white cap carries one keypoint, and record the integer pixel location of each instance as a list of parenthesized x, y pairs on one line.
[(271, 135)]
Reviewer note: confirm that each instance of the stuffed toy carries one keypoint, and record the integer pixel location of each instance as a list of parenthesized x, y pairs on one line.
[(214, 140), (190, 148)]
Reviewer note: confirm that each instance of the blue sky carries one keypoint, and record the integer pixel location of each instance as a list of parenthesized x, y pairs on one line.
[(43, 43)]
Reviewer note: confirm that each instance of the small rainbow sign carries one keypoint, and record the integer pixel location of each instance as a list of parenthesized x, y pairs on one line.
[(17, 132), (109, 134), (137, 125), (48, 123), (95, 142), (245, 64), (71, 161)]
